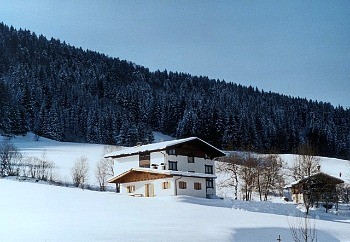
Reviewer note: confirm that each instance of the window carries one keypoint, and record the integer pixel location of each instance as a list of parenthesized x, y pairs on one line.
[(197, 186), (172, 152), (173, 165), (144, 160), (209, 169), (210, 183), (130, 189), (166, 185), (190, 159), (206, 156), (191, 171), (182, 185)]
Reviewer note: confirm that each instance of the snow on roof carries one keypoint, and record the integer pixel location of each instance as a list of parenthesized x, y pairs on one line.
[(153, 147), (314, 175)]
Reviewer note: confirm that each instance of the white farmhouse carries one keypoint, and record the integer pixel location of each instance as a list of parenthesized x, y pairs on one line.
[(170, 168)]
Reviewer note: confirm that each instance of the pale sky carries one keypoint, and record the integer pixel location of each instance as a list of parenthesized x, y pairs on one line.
[(299, 48)]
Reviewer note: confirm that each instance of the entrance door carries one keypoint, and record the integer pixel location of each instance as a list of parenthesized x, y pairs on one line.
[(149, 190)]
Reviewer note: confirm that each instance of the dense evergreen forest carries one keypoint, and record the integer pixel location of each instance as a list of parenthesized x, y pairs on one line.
[(68, 94)]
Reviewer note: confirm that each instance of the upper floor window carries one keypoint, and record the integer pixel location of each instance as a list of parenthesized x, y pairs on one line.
[(172, 152), (182, 185), (144, 160), (206, 156), (209, 169), (173, 165), (190, 159)]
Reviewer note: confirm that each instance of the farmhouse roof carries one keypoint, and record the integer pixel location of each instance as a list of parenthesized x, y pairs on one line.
[(215, 152)]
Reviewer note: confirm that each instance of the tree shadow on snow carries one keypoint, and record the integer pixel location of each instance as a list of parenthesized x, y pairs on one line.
[(285, 209), (271, 234)]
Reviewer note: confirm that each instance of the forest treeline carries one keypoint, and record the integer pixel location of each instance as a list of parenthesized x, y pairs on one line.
[(69, 94)]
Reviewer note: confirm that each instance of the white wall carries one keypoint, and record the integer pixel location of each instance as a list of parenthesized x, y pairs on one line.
[(159, 191), (125, 163), (190, 191), (198, 166), (158, 188), (158, 158)]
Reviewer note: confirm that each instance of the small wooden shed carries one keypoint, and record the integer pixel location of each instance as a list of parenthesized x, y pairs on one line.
[(314, 189)]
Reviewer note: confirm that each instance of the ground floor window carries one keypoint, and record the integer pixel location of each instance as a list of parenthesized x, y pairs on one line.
[(166, 185), (210, 183), (197, 186), (182, 185), (130, 189)]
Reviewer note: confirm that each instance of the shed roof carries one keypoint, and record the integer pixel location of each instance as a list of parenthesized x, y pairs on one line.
[(320, 176), (215, 152)]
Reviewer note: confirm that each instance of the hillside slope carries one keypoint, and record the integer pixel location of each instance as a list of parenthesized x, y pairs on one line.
[(67, 94)]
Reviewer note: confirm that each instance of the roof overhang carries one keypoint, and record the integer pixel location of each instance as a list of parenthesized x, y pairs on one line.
[(142, 174), (213, 151)]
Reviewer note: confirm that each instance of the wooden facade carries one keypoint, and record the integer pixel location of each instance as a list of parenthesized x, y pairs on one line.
[(194, 148), (135, 176), (317, 188)]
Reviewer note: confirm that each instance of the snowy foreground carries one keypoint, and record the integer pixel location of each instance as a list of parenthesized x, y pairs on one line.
[(41, 212)]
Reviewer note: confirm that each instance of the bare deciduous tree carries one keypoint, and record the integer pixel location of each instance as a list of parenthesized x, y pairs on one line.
[(306, 163), (254, 172), (10, 158), (101, 174), (80, 172), (271, 175), (39, 168), (303, 228), (230, 164), (105, 167), (247, 173)]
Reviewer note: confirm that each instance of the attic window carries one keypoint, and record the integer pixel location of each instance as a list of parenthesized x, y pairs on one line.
[(172, 152), (144, 160)]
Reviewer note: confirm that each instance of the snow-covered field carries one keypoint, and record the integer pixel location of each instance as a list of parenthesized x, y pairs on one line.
[(40, 212), (64, 154), (32, 211)]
